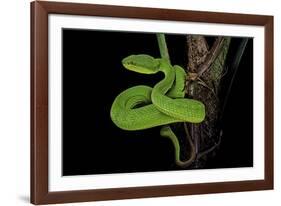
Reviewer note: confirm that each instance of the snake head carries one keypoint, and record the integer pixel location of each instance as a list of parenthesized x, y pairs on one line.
[(141, 63)]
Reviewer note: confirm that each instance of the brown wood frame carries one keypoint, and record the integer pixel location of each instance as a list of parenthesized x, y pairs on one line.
[(39, 102)]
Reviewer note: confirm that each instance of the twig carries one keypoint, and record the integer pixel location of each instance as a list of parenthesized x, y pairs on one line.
[(200, 155), (192, 157), (211, 56), (234, 68), (202, 83), (163, 46)]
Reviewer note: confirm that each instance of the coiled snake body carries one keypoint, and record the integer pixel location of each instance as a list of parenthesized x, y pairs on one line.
[(142, 107)]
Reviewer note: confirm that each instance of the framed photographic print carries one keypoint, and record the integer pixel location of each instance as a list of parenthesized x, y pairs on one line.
[(131, 102)]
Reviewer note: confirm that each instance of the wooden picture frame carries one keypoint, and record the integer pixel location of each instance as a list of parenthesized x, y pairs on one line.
[(40, 193)]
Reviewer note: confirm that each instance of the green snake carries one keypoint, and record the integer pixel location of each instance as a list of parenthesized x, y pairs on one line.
[(142, 107)]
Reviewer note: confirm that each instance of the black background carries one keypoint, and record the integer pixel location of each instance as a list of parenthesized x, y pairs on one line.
[(93, 76)]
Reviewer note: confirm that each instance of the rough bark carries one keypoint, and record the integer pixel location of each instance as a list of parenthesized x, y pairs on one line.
[(205, 68)]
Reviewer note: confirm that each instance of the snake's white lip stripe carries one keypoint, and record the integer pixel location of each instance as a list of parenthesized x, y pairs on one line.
[(57, 182)]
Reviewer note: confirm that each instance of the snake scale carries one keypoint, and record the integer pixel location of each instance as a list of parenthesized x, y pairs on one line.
[(142, 107)]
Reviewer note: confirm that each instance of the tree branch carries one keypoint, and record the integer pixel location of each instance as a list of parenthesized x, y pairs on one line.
[(211, 56), (163, 46)]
